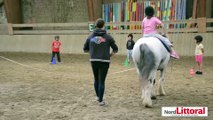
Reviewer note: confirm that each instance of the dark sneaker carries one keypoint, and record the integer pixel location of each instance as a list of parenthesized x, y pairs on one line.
[(199, 72)]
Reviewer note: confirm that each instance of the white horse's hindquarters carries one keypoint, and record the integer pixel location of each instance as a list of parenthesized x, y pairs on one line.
[(149, 54)]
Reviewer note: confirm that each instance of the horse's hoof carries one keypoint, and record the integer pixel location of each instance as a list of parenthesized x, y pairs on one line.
[(153, 97), (148, 106), (162, 94), (142, 97)]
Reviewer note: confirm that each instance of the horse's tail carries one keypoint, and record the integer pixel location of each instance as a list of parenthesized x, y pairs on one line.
[(142, 48), (138, 56), (142, 57)]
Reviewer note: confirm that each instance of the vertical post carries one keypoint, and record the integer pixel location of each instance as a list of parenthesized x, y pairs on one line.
[(201, 25), (94, 9), (201, 15), (194, 9), (90, 10), (13, 11), (10, 28), (209, 9), (97, 8), (201, 8)]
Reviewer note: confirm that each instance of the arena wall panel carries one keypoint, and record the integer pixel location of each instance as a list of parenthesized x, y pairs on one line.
[(54, 11), (184, 43)]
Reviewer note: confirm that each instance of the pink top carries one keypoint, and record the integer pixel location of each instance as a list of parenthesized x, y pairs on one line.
[(149, 25)]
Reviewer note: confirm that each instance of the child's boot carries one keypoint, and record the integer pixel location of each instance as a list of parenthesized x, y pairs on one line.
[(174, 55)]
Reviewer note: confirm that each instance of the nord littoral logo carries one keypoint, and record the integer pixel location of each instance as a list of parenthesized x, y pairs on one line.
[(184, 111)]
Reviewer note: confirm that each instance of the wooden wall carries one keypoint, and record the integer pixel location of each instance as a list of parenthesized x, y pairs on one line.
[(209, 9), (183, 43), (13, 11), (94, 9)]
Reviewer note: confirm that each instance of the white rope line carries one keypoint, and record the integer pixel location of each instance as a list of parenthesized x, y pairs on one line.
[(28, 66), (121, 71)]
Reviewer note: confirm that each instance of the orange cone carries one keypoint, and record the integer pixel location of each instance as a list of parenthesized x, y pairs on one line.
[(192, 72)]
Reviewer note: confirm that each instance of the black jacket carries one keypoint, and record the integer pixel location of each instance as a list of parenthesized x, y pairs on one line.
[(130, 44), (98, 45)]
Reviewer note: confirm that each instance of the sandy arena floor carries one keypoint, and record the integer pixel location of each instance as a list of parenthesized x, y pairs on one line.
[(33, 89)]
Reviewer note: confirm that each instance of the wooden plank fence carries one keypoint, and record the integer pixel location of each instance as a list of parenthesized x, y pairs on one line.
[(200, 25)]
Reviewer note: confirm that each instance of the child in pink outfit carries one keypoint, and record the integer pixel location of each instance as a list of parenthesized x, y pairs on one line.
[(199, 50), (149, 25)]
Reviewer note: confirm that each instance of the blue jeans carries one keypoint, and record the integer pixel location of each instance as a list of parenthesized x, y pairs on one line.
[(129, 54), (160, 37)]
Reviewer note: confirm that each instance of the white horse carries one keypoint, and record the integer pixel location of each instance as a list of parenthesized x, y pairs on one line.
[(150, 55)]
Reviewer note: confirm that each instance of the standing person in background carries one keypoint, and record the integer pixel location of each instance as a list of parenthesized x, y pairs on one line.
[(98, 45), (56, 46), (199, 50), (129, 46)]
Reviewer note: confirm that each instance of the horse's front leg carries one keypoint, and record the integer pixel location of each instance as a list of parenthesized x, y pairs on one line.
[(161, 83)]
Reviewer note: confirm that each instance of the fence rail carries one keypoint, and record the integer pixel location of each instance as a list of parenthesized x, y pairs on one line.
[(201, 25)]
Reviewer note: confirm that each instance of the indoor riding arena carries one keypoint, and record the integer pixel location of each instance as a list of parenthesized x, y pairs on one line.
[(33, 86)]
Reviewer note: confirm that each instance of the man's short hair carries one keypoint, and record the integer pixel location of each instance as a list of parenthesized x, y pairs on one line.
[(99, 23)]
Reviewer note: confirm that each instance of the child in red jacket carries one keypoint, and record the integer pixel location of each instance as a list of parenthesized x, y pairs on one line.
[(56, 45)]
